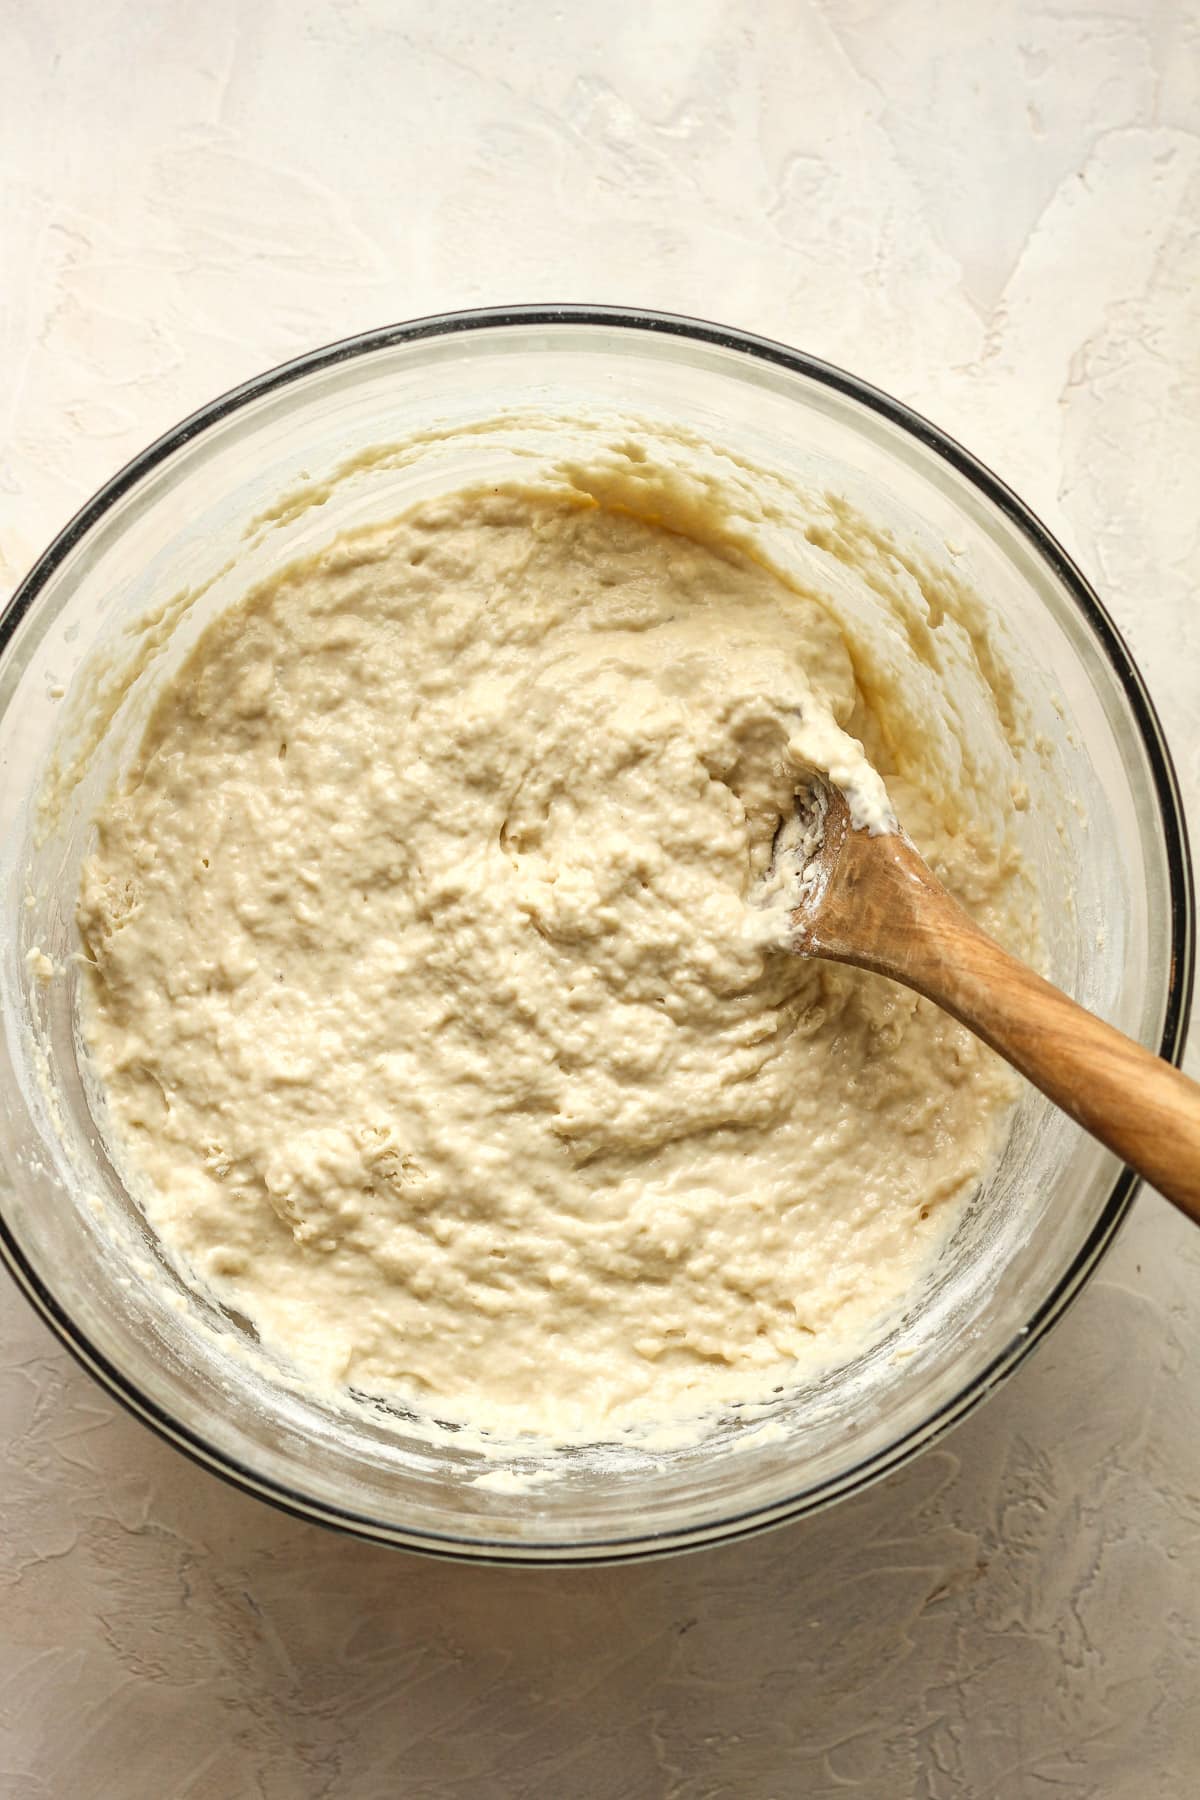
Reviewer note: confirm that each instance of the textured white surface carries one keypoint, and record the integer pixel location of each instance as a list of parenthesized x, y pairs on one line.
[(993, 211)]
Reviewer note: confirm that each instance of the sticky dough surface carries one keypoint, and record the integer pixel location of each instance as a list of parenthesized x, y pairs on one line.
[(439, 1030)]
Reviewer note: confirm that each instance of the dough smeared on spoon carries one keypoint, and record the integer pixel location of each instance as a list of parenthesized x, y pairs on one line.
[(873, 902)]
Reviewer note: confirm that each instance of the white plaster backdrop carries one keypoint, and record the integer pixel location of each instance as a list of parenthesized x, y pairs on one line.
[(991, 210)]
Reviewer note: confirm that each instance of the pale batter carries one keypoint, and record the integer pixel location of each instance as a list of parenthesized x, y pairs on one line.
[(436, 1012)]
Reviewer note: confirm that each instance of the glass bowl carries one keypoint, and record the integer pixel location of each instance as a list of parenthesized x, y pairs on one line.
[(490, 394)]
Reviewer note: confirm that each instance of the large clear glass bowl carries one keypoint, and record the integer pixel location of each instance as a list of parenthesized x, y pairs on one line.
[(1108, 847)]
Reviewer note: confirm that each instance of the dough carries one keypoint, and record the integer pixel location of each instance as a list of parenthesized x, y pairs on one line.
[(439, 1026)]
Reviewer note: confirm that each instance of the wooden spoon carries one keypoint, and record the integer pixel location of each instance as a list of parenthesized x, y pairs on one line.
[(873, 902)]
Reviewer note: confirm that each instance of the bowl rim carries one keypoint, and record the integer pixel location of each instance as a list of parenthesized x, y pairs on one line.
[(726, 1527)]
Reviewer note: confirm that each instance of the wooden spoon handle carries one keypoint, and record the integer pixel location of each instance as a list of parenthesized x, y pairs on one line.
[(1138, 1105)]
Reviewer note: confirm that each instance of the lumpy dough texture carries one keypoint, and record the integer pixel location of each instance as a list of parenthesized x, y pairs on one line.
[(438, 1027)]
